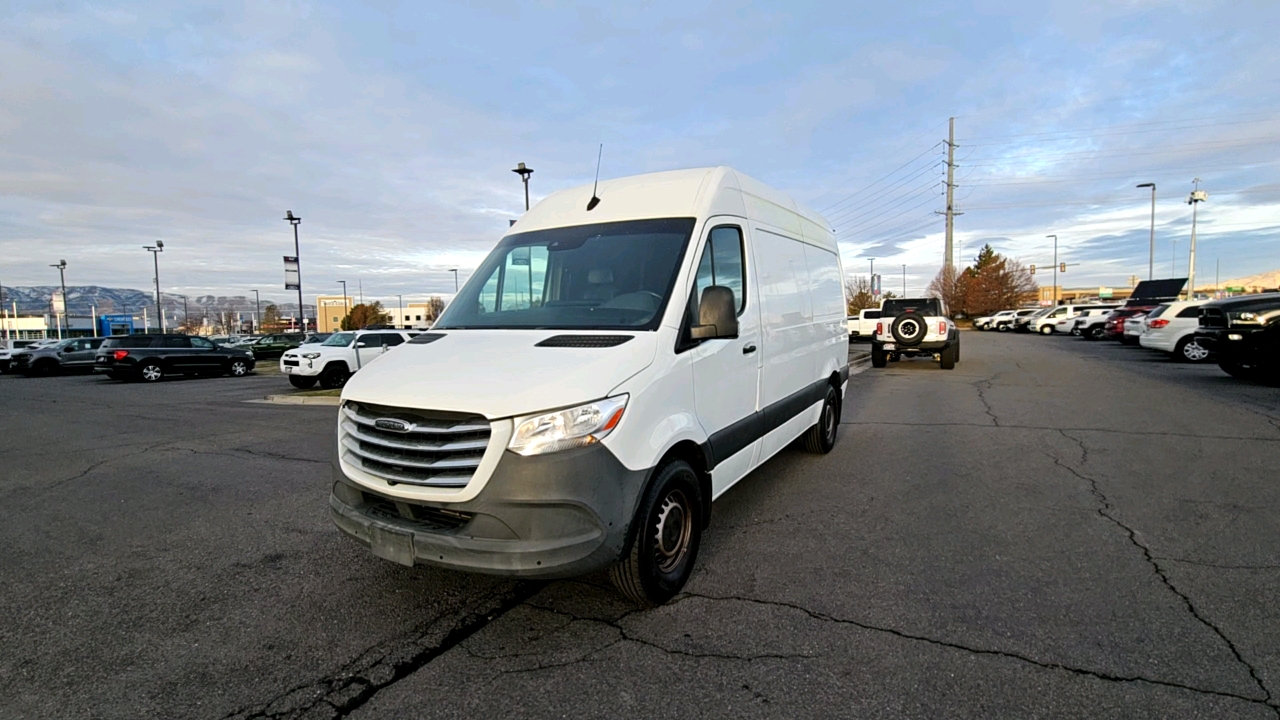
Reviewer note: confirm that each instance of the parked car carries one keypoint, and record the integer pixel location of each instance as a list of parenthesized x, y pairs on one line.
[(1113, 328), (1008, 323), (1046, 324), (1091, 327), (75, 355), (988, 322), (863, 324), (152, 357), (334, 361), (676, 345), (1133, 328), (1076, 325), (273, 346), (1171, 328), (1244, 332), (7, 348), (1023, 324)]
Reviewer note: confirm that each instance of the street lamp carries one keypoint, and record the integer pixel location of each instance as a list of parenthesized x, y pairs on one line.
[(455, 279), (904, 280), (62, 276), (1151, 257), (1197, 196), (295, 221), (257, 313), (400, 302), (524, 173), (155, 251), (1055, 268)]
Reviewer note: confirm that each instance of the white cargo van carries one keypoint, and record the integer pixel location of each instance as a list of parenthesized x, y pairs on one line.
[(612, 367)]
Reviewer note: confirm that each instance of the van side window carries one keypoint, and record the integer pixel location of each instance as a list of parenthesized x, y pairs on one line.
[(721, 264)]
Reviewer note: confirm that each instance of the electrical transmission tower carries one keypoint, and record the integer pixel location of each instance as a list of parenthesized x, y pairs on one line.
[(951, 187)]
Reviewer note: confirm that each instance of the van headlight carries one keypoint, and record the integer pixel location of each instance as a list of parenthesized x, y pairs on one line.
[(564, 429)]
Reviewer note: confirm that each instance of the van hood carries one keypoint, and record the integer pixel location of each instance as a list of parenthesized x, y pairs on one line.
[(499, 373)]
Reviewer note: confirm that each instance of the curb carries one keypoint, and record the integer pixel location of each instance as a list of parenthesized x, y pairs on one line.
[(303, 400)]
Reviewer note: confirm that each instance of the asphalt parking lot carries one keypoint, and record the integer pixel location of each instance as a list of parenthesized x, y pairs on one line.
[(1054, 529)]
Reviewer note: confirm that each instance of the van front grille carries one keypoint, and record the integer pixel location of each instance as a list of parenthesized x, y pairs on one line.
[(418, 516), (414, 447)]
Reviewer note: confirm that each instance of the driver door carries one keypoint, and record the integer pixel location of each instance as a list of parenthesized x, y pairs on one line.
[(726, 373)]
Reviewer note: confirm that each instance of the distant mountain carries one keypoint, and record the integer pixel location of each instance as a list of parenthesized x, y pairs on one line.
[(84, 299)]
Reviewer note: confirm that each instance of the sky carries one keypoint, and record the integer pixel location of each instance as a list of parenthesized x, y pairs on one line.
[(392, 128)]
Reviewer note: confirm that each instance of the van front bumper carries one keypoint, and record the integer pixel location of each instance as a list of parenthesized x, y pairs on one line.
[(556, 515)]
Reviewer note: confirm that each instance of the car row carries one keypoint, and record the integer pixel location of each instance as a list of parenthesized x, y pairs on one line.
[(332, 362)]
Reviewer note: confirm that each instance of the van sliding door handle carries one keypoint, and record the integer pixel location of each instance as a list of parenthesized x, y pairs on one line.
[(748, 349)]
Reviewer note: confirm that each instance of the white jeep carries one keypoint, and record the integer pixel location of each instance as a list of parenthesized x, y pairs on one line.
[(336, 359), (915, 326)]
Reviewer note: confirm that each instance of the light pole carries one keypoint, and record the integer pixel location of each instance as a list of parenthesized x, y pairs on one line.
[(1197, 196), (62, 276), (257, 313), (1055, 268), (155, 251), (1173, 258), (295, 221), (524, 173), (400, 302), (1151, 257), (346, 309), (455, 279), (904, 280)]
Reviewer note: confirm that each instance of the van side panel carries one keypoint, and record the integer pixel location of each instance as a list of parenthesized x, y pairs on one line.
[(785, 315), (830, 344)]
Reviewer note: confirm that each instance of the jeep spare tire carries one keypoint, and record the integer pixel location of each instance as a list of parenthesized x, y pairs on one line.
[(909, 328)]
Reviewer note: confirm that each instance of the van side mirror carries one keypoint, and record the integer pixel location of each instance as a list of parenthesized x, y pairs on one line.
[(717, 315)]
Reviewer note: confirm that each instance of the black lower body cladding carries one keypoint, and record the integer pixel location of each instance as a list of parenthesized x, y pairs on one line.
[(556, 515)]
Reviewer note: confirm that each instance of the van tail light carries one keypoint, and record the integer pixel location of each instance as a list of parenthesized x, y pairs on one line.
[(1157, 323), (120, 354), (879, 328), (942, 327)]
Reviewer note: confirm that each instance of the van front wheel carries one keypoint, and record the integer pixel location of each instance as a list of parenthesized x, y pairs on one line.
[(665, 542)]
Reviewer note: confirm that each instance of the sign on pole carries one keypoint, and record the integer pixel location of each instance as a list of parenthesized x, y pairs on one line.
[(59, 305), (875, 285), (290, 272)]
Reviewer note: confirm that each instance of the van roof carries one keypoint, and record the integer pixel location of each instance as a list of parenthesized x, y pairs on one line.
[(697, 192)]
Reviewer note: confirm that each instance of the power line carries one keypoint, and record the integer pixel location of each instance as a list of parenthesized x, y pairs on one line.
[(926, 201), (868, 187), (864, 219), (906, 144)]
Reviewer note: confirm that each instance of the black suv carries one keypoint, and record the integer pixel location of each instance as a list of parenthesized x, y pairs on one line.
[(1245, 333), (151, 357)]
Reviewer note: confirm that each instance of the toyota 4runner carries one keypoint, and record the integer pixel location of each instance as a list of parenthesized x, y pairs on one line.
[(912, 327)]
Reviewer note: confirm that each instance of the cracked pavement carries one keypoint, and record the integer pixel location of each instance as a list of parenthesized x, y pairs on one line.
[(1054, 529)]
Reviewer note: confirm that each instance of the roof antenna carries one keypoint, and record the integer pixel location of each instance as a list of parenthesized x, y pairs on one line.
[(594, 201)]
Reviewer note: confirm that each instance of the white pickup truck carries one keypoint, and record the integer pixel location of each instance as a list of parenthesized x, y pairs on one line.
[(863, 324)]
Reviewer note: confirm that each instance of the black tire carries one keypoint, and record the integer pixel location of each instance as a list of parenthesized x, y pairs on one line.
[(659, 558), (238, 367), (1189, 351), (878, 357), (948, 358), (45, 367), (334, 377), (1093, 333), (150, 371), (302, 382), (1242, 372), (909, 328), (1002, 328), (1046, 329), (821, 438)]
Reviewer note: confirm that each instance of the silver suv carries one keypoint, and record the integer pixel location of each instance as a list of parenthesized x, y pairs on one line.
[(74, 355)]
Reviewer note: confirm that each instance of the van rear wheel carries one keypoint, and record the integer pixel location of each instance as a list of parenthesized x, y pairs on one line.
[(821, 438), (664, 545)]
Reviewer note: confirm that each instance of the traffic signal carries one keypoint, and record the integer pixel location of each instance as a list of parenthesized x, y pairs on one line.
[(1062, 267), (1033, 269)]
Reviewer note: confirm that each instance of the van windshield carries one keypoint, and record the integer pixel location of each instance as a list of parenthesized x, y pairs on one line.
[(611, 276)]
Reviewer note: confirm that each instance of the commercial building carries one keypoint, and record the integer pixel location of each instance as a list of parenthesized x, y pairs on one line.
[(415, 315), (330, 309)]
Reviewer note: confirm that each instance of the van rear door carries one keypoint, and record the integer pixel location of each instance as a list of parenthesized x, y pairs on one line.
[(726, 372)]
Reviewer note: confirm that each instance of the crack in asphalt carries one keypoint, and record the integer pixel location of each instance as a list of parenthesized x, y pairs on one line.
[(378, 667), (1218, 565), (1048, 665), (1106, 509)]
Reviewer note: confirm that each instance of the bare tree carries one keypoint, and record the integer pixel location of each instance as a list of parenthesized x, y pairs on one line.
[(857, 295), (947, 286), (435, 306)]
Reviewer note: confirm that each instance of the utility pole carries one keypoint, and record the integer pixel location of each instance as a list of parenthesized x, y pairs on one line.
[(62, 276), (400, 302), (257, 313), (951, 186), (155, 251), (1217, 275), (455, 279), (1197, 196), (1055, 269), (295, 221), (904, 280)]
